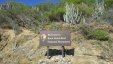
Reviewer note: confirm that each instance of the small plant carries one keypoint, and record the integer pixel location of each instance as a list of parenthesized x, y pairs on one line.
[(110, 40), (97, 34)]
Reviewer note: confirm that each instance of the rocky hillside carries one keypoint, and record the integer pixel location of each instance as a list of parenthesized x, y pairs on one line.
[(90, 23), (23, 48)]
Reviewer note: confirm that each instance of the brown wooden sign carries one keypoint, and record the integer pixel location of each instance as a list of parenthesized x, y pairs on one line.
[(55, 38)]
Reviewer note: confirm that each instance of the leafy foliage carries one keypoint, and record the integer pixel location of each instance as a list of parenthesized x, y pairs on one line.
[(46, 12), (97, 34), (109, 3)]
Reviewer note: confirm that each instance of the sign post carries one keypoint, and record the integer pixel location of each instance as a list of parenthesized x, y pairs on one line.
[(63, 50), (48, 52), (55, 38)]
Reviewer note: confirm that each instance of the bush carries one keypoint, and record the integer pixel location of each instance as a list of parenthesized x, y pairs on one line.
[(110, 40), (86, 10), (109, 3), (97, 34)]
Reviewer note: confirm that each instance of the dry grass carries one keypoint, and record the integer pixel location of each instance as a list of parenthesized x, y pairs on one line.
[(29, 52)]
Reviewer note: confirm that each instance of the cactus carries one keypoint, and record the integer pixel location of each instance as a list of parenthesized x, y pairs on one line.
[(72, 14), (99, 9), (6, 6)]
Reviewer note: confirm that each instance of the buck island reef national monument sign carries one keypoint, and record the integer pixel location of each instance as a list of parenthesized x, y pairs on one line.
[(55, 38)]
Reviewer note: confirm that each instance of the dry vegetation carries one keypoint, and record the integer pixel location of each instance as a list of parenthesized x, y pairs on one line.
[(91, 32), (24, 48)]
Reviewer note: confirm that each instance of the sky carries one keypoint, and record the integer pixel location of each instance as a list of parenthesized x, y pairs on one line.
[(32, 2)]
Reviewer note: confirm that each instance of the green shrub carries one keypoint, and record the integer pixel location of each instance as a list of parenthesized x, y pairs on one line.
[(86, 10), (109, 3), (110, 40), (98, 34)]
